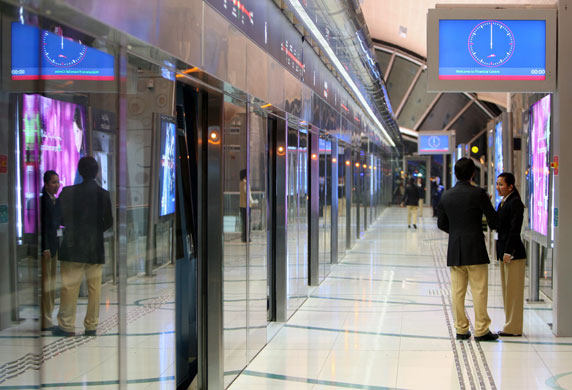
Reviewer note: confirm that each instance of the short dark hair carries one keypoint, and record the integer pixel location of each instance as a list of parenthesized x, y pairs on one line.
[(464, 169), (88, 167), (508, 178), (48, 176), (242, 174), (411, 181)]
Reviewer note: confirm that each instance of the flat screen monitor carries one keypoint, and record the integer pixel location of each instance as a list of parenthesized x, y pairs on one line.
[(498, 159), (538, 173), (167, 165), (484, 49), (435, 142), (54, 138), (44, 55)]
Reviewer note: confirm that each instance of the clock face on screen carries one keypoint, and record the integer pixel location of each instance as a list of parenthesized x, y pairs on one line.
[(491, 43), (61, 51), (434, 142)]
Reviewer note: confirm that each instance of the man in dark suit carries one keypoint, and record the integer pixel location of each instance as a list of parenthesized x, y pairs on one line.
[(50, 219), (460, 214), (86, 214)]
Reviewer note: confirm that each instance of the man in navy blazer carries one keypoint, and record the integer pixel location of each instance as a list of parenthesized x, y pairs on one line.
[(460, 214), (86, 215)]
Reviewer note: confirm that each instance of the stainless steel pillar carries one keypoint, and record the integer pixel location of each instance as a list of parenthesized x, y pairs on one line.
[(211, 236), (314, 207), (334, 189), (534, 272), (280, 230)]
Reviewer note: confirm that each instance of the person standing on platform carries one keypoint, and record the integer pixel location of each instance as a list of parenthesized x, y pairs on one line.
[(421, 190), (86, 215), (511, 253), (436, 192), (50, 220), (411, 200), (460, 213)]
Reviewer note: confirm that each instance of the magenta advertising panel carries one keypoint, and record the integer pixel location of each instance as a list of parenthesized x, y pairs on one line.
[(539, 168), (54, 139)]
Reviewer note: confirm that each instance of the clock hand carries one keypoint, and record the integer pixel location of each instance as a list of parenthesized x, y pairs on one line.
[(491, 36), (62, 38)]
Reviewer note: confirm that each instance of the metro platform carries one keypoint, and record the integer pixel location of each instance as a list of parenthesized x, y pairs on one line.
[(382, 320)]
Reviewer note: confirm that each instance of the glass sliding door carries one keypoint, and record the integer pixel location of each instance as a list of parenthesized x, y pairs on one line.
[(237, 234), (257, 277), (325, 207)]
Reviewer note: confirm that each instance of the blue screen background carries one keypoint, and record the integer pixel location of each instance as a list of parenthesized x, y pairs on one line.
[(167, 163), (529, 52), (426, 147)]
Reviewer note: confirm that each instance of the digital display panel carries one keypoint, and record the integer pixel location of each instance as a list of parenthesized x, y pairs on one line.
[(167, 177), (54, 138), (499, 158), (45, 55), (434, 144), (492, 50), (539, 165)]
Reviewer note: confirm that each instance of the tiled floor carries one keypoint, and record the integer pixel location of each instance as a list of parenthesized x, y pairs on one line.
[(382, 320)]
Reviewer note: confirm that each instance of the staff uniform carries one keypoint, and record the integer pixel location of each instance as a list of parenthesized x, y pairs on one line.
[(460, 213), (510, 214), (50, 221)]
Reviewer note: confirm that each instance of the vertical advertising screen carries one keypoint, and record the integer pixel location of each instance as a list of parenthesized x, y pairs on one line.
[(53, 134), (539, 165), (499, 158), (167, 162)]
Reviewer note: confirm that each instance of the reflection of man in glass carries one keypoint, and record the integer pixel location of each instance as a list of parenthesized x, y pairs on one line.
[(86, 214), (244, 196), (50, 219)]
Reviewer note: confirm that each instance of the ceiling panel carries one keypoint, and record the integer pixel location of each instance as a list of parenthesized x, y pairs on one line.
[(470, 124), (447, 107), (417, 104)]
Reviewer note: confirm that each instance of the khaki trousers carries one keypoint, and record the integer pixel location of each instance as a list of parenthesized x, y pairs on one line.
[(72, 276), (412, 211), (512, 279), (49, 266), (420, 208), (477, 276)]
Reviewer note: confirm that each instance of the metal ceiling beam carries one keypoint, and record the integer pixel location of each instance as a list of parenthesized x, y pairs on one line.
[(389, 66), (459, 114), (427, 111), (409, 90), (474, 98)]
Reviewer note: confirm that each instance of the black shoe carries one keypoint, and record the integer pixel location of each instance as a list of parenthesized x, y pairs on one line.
[(503, 334), (408, 226), (90, 333), (48, 329), (415, 226), (487, 337), (465, 336), (57, 331)]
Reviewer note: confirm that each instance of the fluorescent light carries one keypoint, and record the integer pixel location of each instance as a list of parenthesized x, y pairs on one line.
[(326, 47)]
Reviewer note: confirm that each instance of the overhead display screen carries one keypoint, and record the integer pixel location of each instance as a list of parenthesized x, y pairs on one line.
[(45, 55), (538, 176), (499, 158), (492, 50), (434, 143)]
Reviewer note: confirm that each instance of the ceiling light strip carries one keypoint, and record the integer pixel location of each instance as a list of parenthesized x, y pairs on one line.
[(326, 47)]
